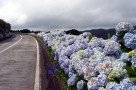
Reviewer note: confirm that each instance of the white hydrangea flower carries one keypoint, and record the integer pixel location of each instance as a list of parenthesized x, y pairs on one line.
[(111, 86), (80, 85), (124, 57), (86, 34), (124, 26)]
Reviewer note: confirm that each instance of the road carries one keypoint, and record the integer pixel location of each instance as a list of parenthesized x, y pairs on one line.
[(18, 58)]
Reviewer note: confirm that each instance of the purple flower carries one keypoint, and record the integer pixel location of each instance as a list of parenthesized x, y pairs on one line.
[(133, 61), (96, 42), (92, 84), (87, 53), (72, 80), (112, 48), (102, 80), (130, 40), (114, 38), (80, 85), (52, 70)]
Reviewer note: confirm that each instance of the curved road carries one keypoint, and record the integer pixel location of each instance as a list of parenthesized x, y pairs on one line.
[(18, 58)]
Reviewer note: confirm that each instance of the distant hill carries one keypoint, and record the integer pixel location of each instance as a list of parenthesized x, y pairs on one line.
[(102, 33), (73, 32)]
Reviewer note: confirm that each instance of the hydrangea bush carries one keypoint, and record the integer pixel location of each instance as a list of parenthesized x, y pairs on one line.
[(101, 63)]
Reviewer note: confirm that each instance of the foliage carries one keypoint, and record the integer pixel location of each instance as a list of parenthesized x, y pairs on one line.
[(4, 29), (73, 32), (97, 61)]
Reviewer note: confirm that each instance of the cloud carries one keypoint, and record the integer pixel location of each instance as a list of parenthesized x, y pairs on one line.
[(67, 14)]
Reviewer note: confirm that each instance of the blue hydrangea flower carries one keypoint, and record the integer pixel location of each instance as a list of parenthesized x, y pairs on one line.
[(95, 82), (94, 59), (80, 85), (96, 42), (124, 57), (72, 80), (71, 71), (118, 64), (111, 86), (130, 40), (101, 58), (132, 31), (101, 88), (87, 53), (85, 34), (133, 61), (125, 84), (132, 87), (112, 48), (102, 80), (52, 71), (88, 72), (114, 38), (92, 84), (71, 41)]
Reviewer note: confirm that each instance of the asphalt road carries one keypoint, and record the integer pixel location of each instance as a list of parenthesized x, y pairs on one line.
[(18, 57)]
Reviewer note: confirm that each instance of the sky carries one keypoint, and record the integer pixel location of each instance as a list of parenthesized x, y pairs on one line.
[(67, 14)]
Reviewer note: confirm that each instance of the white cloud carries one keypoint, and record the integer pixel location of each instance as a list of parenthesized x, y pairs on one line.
[(11, 13), (56, 14)]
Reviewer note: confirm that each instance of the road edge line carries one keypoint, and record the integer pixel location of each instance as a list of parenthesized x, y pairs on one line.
[(12, 44), (37, 85)]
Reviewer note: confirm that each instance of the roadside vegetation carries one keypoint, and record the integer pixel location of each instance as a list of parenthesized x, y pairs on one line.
[(4, 29), (59, 73), (25, 31), (92, 62)]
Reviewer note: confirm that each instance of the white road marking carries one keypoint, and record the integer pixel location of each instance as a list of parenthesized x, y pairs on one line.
[(37, 74), (12, 45), (37, 85)]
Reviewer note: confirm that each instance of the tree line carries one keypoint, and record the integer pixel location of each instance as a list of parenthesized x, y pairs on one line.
[(4, 29)]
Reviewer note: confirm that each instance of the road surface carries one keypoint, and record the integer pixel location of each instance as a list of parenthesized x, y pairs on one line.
[(18, 57)]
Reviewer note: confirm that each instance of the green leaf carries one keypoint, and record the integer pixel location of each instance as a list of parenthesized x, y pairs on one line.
[(131, 71), (133, 79)]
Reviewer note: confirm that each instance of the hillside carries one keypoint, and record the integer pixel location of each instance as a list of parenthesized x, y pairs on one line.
[(101, 33)]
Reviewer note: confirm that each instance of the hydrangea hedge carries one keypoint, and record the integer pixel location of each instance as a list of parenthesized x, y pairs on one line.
[(100, 64)]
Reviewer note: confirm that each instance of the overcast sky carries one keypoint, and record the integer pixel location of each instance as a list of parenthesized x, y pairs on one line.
[(67, 14)]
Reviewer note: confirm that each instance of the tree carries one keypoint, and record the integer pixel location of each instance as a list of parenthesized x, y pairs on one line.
[(73, 32), (4, 29), (4, 25)]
